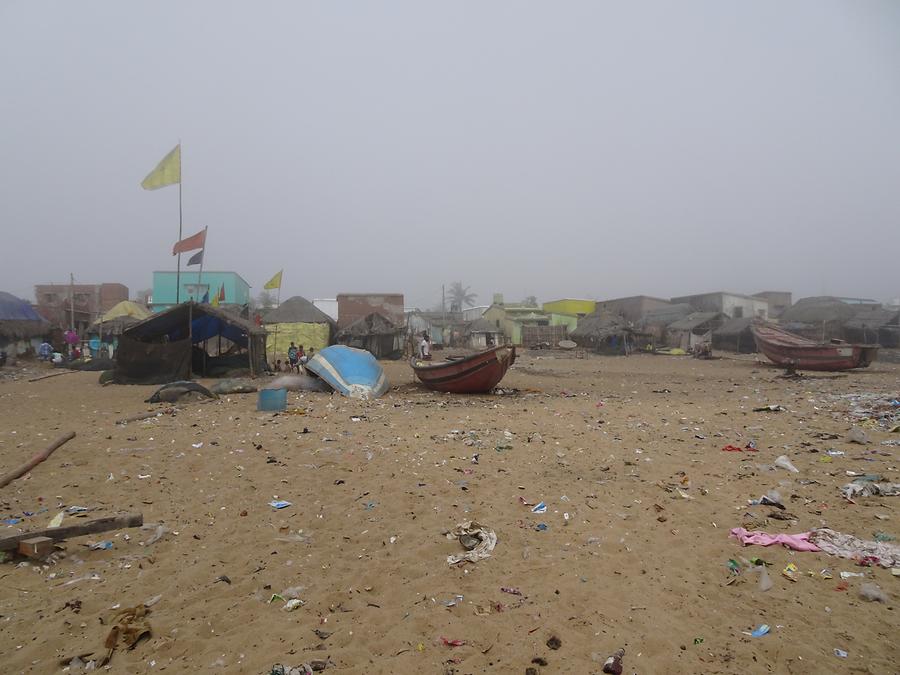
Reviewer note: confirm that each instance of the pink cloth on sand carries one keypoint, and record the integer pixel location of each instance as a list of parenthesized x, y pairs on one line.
[(798, 542)]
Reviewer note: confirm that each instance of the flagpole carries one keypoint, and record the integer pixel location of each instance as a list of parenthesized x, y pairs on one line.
[(202, 258), (277, 302), (178, 273)]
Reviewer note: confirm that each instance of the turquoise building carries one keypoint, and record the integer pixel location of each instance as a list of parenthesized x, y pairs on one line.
[(193, 287)]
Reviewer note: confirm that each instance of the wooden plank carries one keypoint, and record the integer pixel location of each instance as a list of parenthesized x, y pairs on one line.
[(59, 533)]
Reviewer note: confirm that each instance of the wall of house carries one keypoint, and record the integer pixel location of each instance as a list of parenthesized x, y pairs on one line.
[(193, 287), (570, 306), (354, 306), (310, 335), (732, 305), (633, 308), (567, 320), (473, 313)]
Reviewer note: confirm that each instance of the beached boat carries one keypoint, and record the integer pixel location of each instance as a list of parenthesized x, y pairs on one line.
[(788, 349), (351, 372), (476, 374)]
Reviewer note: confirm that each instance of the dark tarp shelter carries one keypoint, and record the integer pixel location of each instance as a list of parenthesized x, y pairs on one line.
[(162, 348), (374, 333), (735, 336)]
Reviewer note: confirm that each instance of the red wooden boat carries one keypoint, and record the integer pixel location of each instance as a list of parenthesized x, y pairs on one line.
[(788, 349), (476, 374)]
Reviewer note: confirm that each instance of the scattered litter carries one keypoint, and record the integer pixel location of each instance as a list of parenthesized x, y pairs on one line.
[(292, 604), (873, 593), (857, 435), (478, 541), (869, 489), (783, 462), (540, 507), (452, 643), (842, 545), (762, 629), (840, 653), (102, 546), (279, 504), (770, 408)]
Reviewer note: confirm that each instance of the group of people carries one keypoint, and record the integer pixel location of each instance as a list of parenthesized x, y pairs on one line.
[(297, 358)]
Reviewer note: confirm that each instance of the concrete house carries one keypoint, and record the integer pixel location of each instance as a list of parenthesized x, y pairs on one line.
[(634, 307), (733, 305)]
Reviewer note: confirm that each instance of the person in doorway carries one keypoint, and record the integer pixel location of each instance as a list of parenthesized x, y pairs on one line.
[(425, 347)]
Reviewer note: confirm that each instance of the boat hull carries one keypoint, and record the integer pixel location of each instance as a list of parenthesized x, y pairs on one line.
[(351, 372), (476, 374), (789, 350)]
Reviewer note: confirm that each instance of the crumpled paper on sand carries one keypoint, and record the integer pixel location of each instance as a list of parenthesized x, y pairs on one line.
[(487, 541)]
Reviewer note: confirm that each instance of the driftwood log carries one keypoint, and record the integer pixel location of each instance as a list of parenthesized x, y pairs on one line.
[(34, 461), (59, 533)]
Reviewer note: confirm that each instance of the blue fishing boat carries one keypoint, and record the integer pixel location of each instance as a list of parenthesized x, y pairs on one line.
[(351, 372)]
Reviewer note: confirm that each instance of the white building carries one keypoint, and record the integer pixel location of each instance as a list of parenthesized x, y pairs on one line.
[(734, 305), (327, 305)]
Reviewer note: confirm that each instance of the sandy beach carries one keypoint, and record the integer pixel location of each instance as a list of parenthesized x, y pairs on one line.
[(632, 551)]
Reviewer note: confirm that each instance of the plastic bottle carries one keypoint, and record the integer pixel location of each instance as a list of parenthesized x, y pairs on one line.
[(613, 665)]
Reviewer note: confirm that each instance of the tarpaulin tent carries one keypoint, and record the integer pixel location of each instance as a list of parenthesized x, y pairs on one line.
[(160, 347)]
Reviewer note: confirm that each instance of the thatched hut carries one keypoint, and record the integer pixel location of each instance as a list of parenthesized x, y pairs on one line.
[(606, 332), (735, 336), (20, 325), (374, 333), (818, 318), (694, 329), (299, 321), (871, 326)]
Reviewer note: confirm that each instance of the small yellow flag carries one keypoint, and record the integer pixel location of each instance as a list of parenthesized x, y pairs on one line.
[(215, 300), (274, 282), (167, 172)]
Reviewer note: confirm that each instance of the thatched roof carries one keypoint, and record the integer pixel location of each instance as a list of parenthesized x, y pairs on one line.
[(697, 320), (874, 318), (817, 310), (19, 320), (601, 323), (296, 310), (734, 326), (371, 324), (666, 315)]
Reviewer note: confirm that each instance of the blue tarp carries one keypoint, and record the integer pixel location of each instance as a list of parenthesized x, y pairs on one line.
[(16, 309)]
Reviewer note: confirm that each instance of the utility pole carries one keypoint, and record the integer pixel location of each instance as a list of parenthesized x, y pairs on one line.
[(72, 301)]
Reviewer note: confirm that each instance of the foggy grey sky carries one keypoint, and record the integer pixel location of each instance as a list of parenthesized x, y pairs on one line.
[(586, 149)]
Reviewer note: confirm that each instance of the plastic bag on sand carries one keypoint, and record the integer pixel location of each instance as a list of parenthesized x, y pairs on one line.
[(478, 539), (160, 531), (765, 581), (784, 463), (872, 593)]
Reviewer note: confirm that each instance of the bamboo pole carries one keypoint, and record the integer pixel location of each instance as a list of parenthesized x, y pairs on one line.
[(34, 461), (44, 377), (59, 533)]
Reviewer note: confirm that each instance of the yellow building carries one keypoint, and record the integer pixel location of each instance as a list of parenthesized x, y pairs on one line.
[(571, 307)]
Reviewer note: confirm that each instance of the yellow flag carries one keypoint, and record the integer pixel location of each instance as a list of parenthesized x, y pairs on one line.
[(167, 172), (274, 282), (215, 300)]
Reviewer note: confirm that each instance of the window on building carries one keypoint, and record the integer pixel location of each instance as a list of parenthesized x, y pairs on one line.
[(196, 291), (738, 312)]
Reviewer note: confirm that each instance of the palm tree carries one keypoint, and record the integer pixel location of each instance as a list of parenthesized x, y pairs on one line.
[(460, 296)]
